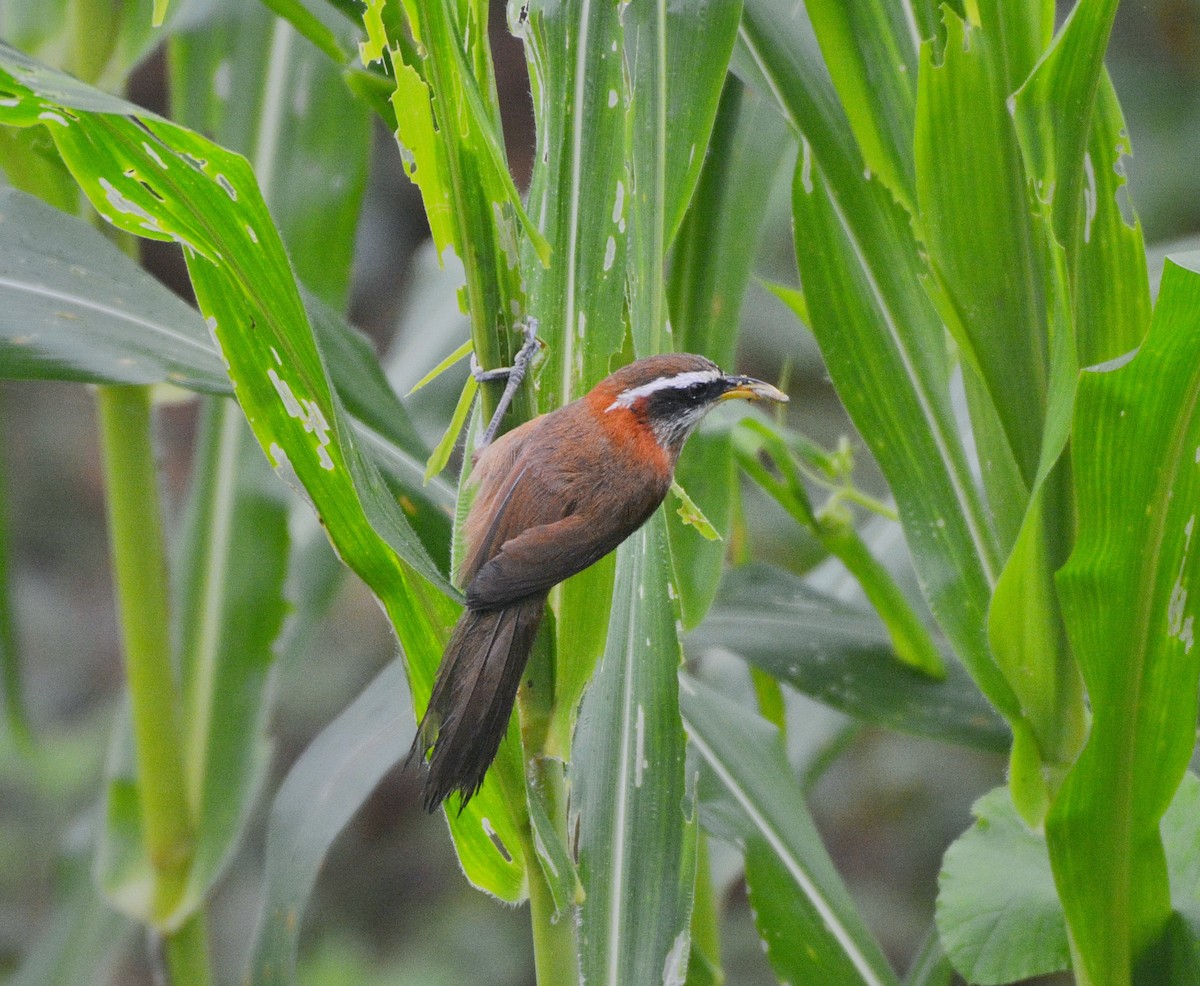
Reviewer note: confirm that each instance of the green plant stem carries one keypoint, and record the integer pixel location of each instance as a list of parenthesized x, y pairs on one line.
[(140, 572), (187, 952), (555, 956)]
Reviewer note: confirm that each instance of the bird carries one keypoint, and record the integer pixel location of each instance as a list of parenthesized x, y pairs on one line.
[(553, 496)]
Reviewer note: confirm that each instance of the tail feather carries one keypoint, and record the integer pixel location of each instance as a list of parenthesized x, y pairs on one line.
[(473, 698)]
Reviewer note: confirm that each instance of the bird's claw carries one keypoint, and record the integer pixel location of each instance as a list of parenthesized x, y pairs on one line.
[(512, 374)]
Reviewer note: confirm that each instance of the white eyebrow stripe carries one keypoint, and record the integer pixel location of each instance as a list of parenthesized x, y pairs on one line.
[(626, 398)]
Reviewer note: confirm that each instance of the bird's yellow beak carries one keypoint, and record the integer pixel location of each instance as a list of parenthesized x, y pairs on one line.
[(752, 390)]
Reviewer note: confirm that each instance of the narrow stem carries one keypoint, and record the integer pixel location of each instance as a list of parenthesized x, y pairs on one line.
[(140, 571), (187, 953), (555, 956)]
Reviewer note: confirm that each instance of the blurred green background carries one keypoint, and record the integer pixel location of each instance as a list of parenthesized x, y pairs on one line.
[(391, 906)]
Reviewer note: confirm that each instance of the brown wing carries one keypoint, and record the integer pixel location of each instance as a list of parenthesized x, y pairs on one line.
[(495, 476), (553, 506)]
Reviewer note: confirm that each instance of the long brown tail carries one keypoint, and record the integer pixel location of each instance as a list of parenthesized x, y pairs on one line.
[(473, 698)]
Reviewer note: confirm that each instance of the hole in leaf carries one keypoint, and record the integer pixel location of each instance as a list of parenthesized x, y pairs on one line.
[(496, 840)]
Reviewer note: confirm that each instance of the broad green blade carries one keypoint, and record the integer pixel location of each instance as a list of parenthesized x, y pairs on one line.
[(1129, 599), (449, 131), (842, 656), (107, 321), (74, 307), (1025, 26), (259, 88), (669, 128), (710, 267), (882, 347), (749, 796), (1112, 290), (793, 934), (156, 179), (578, 194), (1053, 115), (319, 796), (882, 340), (870, 48), (990, 268), (629, 802)]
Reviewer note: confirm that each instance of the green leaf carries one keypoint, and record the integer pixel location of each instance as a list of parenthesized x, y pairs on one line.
[(998, 911), (319, 796), (1025, 28), (1112, 291), (321, 22), (1053, 114), (998, 908), (445, 446), (578, 197), (669, 128), (231, 570), (714, 251), (992, 288), (629, 797), (74, 307), (578, 192), (710, 268), (692, 516), (749, 797), (881, 338), (206, 198), (441, 368), (1128, 596), (870, 50), (883, 349), (448, 115), (841, 656), (258, 88)]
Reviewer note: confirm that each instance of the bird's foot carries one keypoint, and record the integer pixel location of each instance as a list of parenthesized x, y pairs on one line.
[(513, 374)]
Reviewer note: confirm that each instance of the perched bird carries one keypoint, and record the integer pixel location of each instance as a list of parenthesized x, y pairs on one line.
[(555, 495)]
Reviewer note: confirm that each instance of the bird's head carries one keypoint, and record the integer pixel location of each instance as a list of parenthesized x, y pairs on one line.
[(670, 394)]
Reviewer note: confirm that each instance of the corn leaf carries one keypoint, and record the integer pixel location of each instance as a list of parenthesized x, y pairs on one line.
[(74, 307), (669, 128), (871, 51), (841, 655), (710, 268), (629, 800), (881, 337), (749, 798), (1129, 596), (319, 796)]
